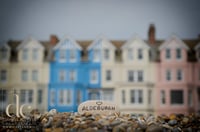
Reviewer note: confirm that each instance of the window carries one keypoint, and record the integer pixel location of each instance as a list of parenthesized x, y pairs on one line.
[(140, 54), (3, 54), (26, 96), (35, 54), (168, 53), (106, 54), (168, 75), (178, 53), (62, 75), (3, 95), (130, 54), (94, 76), (123, 97), (108, 75), (25, 54), (140, 76), (65, 97), (94, 96), (149, 96), (79, 97), (136, 96), (163, 97), (179, 75), (39, 99), (3, 75), (52, 97), (190, 99), (108, 95), (62, 55), (24, 75), (130, 76), (72, 75), (35, 75), (176, 96), (96, 55), (72, 55)]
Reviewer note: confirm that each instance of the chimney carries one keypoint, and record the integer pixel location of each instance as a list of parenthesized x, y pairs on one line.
[(151, 34), (53, 40)]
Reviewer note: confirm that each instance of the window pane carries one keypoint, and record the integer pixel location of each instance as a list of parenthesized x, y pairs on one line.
[(130, 54), (140, 54), (108, 75), (62, 75), (168, 75), (140, 76), (35, 54), (140, 99), (178, 53), (179, 75), (25, 54), (35, 75), (132, 96), (94, 76), (30, 96), (130, 76), (72, 55), (162, 95), (190, 98), (40, 92), (3, 75), (94, 95), (96, 55), (61, 97), (69, 96), (106, 54), (123, 97), (168, 53), (52, 97), (3, 95), (24, 76), (72, 75), (79, 97), (23, 96), (176, 97), (63, 55), (108, 95), (149, 96)]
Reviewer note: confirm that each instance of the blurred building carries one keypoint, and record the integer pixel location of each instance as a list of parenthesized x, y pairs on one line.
[(141, 76)]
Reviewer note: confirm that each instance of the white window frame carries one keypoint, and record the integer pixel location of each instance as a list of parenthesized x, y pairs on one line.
[(25, 54), (35, 54), (72, 55), (26, 96), (52, 97), (178, 54), (136, 96), (62, 55), (72, 75), (108, 75), (62, 75), (168, 75), (3, 75), (123, 96), (106, 54), (108, 95), (35, 76), (140, 54), (24, 75), (179, 75), (92, 74), (130, 54), (96, 55), (67, 97), (140, 75), (131, 74)]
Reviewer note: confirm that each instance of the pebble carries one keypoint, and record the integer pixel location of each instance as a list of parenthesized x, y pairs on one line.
[(116, 122)]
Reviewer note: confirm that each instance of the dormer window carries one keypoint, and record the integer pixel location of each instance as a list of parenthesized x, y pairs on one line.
[(168, 53), (178, 54), (3, 54), (96, 55), (35, 54), (106, 54), (25, 54), (72, 55), (140, 54), (130, 54), (62, 55)]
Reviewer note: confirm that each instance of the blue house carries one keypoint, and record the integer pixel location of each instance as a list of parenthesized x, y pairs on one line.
[(67, 87), (72, 80)]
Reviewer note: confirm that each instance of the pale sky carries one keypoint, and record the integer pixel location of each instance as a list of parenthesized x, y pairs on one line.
[(87, 19)]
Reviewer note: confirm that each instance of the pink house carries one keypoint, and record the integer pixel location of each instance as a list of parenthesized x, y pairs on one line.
[(174, 87)]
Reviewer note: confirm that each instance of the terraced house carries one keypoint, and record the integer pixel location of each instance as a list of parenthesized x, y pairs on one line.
[(24, 71)]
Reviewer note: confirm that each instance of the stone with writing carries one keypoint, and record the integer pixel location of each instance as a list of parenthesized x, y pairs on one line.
[(97, 107)]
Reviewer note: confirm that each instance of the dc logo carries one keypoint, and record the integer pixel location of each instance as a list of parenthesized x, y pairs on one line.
[(19, 109)]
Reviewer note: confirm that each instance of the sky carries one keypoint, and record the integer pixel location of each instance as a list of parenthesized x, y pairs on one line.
[(87, 19)]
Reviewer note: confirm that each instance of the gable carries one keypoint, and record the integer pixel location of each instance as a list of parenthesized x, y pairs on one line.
[(101, 43), (174, 43), (135, 42), (30, 43), (67, 43)]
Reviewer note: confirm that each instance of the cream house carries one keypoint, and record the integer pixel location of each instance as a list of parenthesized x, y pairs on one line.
[(135, 85), (28, 74)]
